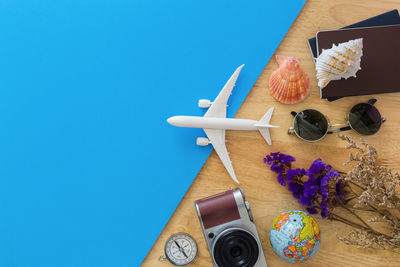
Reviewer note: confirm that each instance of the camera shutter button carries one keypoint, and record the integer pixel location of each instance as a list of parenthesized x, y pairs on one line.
[(247, 205)]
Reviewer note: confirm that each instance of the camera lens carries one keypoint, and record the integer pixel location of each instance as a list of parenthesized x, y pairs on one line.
[(236, 251), (236, 248)]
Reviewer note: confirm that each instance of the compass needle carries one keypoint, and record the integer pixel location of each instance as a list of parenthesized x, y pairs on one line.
[(177, 244)]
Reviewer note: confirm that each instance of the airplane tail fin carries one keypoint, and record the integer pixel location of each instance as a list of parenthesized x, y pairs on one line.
[(263, 125)]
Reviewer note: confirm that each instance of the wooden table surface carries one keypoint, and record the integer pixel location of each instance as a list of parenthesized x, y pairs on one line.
[(247, 149)]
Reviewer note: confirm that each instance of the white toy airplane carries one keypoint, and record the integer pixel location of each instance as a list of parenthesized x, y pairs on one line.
[(214, 123)]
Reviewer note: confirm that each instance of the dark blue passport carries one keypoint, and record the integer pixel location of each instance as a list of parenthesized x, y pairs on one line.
[(388, 18)]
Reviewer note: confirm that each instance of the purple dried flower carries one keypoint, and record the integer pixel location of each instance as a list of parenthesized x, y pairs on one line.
[(312, 209), (325, 213), (339, 189), (310, 191), (277, 168), (280, 158), (287, 159), (310, 182), (317, 167), (304, 200), (268, 159), (296, 189), (324, 189), (324, 209), (332, 174), (292, 174), (281, 179), (279, 163)]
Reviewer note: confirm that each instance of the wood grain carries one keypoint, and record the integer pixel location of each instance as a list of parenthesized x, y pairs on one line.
[(247, 149)]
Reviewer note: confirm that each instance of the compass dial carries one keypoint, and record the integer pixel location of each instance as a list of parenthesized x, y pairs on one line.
[(180, 249)]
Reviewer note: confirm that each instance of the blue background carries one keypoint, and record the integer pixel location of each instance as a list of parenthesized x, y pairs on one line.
[(90, 171)]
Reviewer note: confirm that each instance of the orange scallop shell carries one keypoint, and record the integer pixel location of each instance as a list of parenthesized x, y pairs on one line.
[(289, 84)]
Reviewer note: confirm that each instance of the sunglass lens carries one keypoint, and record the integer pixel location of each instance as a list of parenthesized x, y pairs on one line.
[(365, 119), (310, 125)]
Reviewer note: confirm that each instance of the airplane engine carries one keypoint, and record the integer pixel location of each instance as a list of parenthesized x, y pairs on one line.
[(202, 141), (204, 103)]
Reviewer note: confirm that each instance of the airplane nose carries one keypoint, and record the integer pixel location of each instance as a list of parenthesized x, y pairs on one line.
[(171, 120), (176, 121)]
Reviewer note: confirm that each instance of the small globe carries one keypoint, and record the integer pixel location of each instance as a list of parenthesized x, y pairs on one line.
[(295, 236)]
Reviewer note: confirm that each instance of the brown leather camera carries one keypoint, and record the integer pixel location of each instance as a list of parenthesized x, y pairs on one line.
[(228, 228)]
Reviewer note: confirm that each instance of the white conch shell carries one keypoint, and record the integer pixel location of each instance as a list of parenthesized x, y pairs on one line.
[(342, 61)]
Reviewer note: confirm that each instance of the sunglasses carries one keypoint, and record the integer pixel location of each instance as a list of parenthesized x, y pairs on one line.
[(311, 125)]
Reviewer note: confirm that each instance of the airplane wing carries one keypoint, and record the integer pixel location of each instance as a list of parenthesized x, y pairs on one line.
[(218, 108), (217, 139)]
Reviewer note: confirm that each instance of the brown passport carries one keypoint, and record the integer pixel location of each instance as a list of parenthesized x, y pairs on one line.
[(380, 63)]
